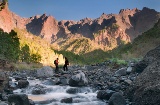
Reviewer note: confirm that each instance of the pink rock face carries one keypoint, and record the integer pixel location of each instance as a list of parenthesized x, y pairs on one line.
[(49, 28), (6, 20)]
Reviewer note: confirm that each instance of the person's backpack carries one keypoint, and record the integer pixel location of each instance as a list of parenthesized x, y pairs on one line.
[(54, 61)]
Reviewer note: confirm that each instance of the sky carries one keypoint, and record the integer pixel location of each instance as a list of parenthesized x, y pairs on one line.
[(77, 9)]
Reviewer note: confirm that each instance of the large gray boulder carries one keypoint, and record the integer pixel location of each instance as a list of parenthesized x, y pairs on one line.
[(117, 99), (23, 83), (46, 71), (18, 99), (78, 79)]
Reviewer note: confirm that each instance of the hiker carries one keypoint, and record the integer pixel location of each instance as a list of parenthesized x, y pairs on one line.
[(65, 68), (56, 64)]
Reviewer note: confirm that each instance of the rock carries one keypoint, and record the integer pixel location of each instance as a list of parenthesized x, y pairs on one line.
[(67, 100), (4, 80), (46, 71), (115, 87), (129, 70), (31, 102), (117, 99), (122, 78), (121, 72), (64, 81), (78, 79), (12, 85), (149, 58), (105, 94), (139, 67), (72, 90), (50, 82), (38, 90), (146, 88), (23, 83), (3, 103), (17, 78), (112, 79), (128, 81), (18, 99)]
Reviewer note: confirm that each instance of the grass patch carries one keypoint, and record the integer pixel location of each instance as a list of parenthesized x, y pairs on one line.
[(119, 61), (26, 66)]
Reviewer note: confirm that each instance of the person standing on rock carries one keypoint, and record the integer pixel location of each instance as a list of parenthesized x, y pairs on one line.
[(65, 67), (56, 64)]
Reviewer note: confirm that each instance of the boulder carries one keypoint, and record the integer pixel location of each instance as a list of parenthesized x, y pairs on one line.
[(105, 94), (50, 82), (67, 100), (37, 91), (72, 90), (46, 71), (64, 81), (18, 99), (78, 79), (23, 83), (117, 99), (129, 70), (121, 72)]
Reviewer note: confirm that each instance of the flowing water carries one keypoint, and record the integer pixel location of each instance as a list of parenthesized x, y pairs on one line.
[(55, 93)]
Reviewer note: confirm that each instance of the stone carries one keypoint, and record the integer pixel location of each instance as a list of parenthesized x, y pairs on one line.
[(129, 70), (78, 79), (117, 99), (23, 83), (120, 72), (67, 100), (72, 90), (105, 94), (46, 71), (18, 99)]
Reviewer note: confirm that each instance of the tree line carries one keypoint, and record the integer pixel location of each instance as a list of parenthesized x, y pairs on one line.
[(11, 50)]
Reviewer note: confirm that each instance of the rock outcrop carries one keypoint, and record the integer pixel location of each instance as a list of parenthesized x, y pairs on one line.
[(145, 89)]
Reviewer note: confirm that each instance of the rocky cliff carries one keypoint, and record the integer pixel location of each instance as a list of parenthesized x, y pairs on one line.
[(108, 31)]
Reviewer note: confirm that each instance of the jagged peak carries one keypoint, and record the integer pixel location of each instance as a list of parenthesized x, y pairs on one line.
[(148, 9), (103, 15), (44, 15), (85, 20), (128, 10)]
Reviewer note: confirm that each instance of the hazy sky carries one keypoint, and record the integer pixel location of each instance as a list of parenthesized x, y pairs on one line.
[(77, 9)]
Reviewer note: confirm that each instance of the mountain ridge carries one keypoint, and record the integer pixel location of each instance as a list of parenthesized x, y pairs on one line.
[(108, 31)]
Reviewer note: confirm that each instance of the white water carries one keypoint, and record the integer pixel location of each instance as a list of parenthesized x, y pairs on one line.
[(56, 93)]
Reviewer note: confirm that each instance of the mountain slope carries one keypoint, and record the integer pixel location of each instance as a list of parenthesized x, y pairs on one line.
[(108, 31), (141, 45), (38, 46)]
